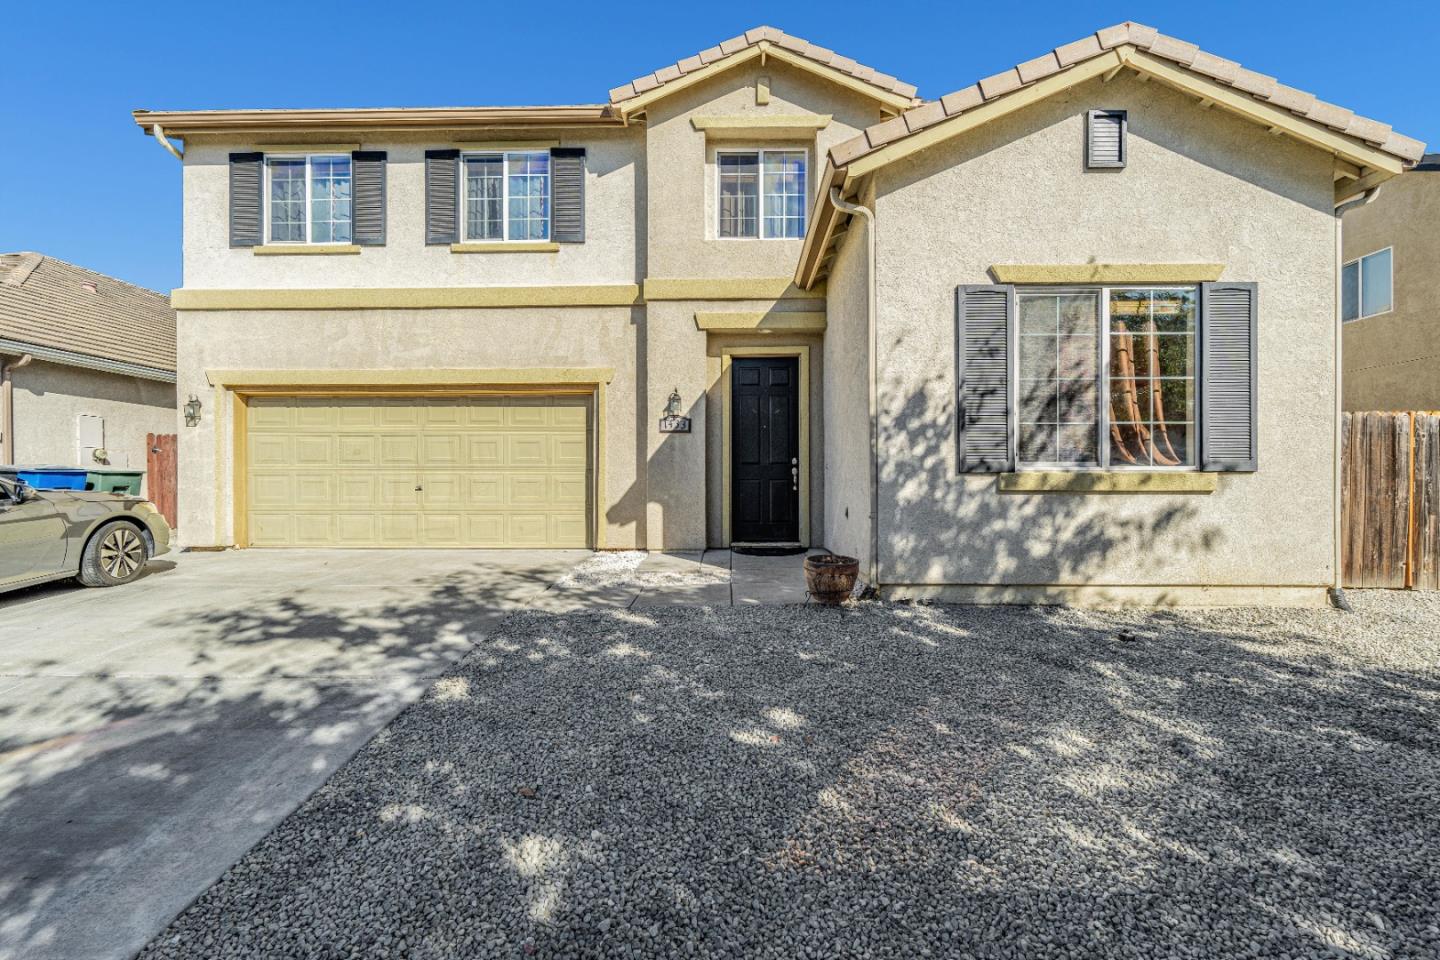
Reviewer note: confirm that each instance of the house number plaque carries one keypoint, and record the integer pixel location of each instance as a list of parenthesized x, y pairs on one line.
[(674, 423)]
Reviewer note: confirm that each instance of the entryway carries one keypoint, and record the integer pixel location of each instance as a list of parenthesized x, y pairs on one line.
[(765, 450)]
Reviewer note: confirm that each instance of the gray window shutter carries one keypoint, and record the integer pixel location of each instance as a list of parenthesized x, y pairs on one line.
[(247, 209), (1229, 377), (983, 316), (442, 196), (567, 194), (367, 177), (1105, 138)]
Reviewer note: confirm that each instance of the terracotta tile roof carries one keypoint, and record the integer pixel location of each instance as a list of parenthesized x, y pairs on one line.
[(51, 303), (751, 38), (1151, 41)]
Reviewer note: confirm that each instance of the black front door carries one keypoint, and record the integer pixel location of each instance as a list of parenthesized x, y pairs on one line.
[(765, 450)]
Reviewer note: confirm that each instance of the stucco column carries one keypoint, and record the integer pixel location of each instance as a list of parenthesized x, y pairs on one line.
[(675, 462)]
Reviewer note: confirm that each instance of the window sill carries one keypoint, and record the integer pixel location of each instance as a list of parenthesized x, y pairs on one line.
[(304, 249), (504, 246), (1119, 481)]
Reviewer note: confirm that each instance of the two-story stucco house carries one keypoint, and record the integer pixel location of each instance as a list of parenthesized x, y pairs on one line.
[(1024, 342)]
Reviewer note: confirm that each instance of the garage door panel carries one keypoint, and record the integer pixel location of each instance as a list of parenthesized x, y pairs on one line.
[(569, 489), (356, 529), (357, 450), (485, 529), (527, 490), (271, 451), (526, 450), (399, 449), (494, 471), (440, 449), (527, 529), (485, 451), (314, 451), (315, 490)]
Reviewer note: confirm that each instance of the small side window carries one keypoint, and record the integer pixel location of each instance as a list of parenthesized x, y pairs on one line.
[(1367, 286), (1105, 139)]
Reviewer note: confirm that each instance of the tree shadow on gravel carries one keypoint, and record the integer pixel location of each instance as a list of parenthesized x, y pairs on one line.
[(886, 780)]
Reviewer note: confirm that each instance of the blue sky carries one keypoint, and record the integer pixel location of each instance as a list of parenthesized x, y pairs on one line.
[(78, 180)]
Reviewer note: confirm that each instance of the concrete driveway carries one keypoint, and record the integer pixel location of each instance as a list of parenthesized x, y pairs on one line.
[(150, 734)]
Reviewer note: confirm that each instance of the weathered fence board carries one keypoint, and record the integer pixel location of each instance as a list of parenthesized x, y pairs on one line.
[(1425, 527), (162, 473), (1390, 500)]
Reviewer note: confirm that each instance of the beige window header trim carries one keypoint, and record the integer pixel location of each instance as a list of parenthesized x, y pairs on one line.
[(1107, 273), (762, 322), (762, 126)]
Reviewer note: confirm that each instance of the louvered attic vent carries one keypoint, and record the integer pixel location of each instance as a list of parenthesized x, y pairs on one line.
[(1105, 139)]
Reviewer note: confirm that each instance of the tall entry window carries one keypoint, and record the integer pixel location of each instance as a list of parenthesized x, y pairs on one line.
[(1105, 377)]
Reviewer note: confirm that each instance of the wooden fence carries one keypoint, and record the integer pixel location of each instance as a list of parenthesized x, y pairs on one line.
[(1390, 500), (162, 473)]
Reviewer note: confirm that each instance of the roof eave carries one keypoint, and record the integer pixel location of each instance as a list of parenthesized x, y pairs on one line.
[(181, 123)]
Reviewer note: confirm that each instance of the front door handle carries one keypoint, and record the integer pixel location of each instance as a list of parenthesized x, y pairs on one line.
[(794, 473)]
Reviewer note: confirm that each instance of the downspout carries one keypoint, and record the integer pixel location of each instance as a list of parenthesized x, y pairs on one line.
[(1337, 588), (7, 401), (159, 133), (872, 389)]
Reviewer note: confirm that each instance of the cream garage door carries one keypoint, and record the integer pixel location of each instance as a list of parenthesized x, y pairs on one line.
[(485, 471)]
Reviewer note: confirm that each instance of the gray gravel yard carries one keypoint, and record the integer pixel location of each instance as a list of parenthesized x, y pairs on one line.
[(879, 781)]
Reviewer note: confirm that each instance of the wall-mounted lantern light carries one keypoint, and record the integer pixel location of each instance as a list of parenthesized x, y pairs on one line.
[(672, 406), (192, 411)]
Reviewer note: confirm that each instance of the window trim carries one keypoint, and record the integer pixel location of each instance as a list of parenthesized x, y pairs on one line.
[(309, 158), (505, 156), (1102, 412), (1358, 263), (760, 153)]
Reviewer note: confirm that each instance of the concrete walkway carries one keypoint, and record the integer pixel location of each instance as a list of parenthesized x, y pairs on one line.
[(711, 578)]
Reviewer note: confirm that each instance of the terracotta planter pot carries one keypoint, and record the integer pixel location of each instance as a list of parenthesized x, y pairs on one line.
[(830, 578)]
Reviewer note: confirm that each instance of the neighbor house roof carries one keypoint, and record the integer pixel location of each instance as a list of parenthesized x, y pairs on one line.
[(68, 310), (761, 41), (1366, 151)]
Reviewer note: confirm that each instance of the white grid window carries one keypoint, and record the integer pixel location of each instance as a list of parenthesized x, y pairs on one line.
[(1133, 347), (761, 193), (308, 199), (507, 196)]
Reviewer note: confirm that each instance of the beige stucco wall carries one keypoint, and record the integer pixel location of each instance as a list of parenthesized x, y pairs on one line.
[(49, 397), (614, 195), (1392, 360), (845, 402), (1201, 186), (413, 340), (681, 194)]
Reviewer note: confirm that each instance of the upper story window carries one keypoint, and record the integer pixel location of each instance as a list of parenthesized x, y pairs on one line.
[(761, 194), (1366, 286), (308, 199), (1134, 347), (507, 196)]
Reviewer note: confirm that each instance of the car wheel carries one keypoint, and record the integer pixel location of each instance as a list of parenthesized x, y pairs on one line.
[(115, 554)]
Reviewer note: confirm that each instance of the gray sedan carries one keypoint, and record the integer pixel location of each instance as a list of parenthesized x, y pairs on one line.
[(101, 539)]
